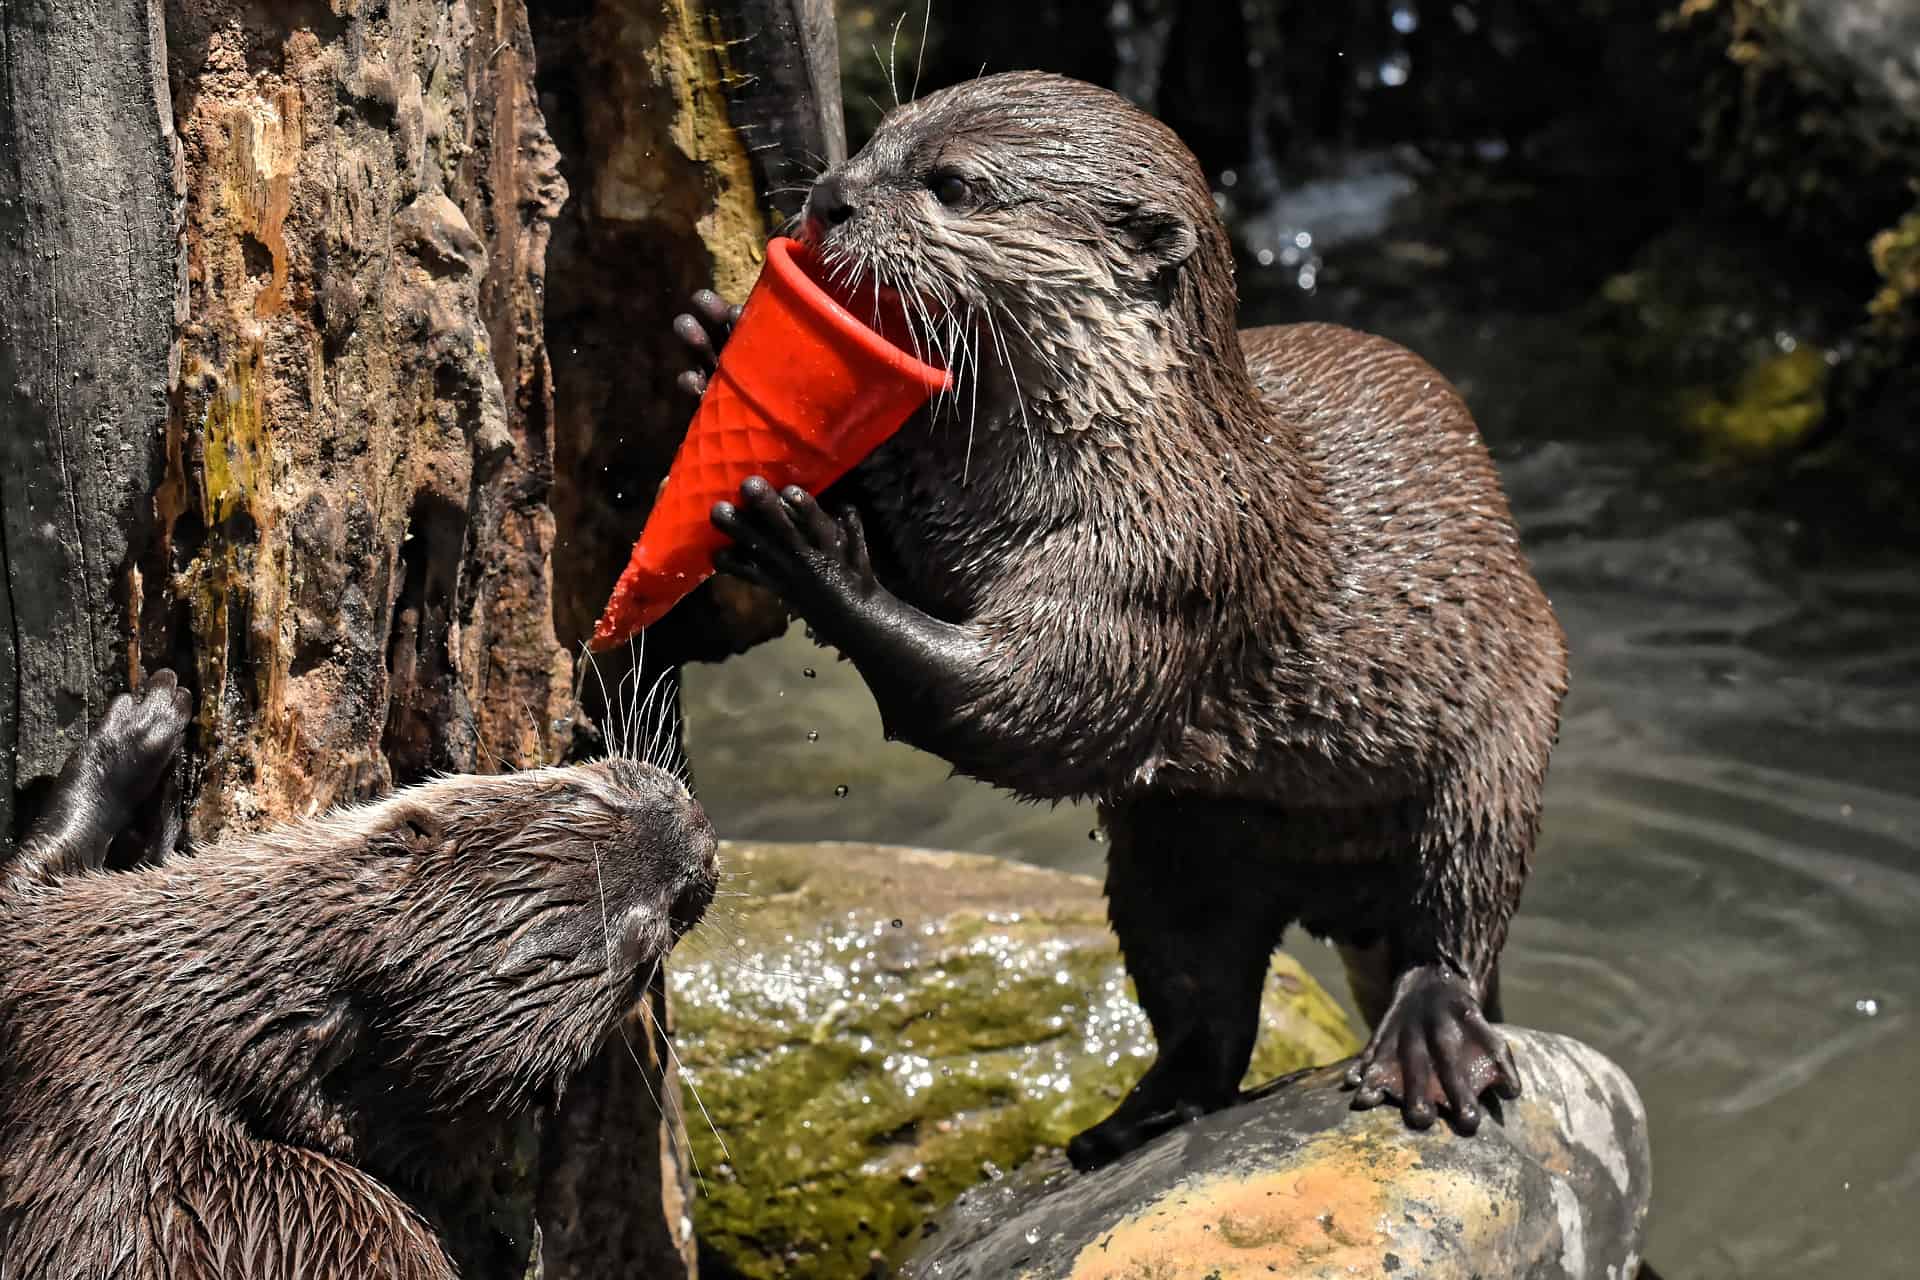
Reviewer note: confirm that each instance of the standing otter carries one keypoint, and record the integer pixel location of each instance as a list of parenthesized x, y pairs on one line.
[(238, 1062), (1258, 594)]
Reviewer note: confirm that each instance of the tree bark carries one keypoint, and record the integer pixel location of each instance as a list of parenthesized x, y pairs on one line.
[(691, 127), (89, 245), (277, 410)]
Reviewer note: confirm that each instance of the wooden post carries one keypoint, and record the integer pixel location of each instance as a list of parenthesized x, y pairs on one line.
[(89, 245)]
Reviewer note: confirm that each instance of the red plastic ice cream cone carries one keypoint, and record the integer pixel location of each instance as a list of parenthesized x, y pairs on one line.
[(802, 393)]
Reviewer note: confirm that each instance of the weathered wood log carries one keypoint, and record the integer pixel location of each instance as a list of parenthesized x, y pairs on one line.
[(89, 240)]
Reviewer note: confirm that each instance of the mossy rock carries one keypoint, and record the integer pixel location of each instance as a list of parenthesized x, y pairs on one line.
[(1294, 1184), (873, 1030)]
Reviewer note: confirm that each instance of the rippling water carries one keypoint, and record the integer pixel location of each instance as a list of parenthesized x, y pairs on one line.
[(1727, 893)]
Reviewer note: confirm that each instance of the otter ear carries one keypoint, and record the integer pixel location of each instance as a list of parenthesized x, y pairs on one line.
[(1160, 235), (413, 832)]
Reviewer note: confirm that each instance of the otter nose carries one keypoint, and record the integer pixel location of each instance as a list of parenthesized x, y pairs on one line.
[(828, 201), (706, 843)]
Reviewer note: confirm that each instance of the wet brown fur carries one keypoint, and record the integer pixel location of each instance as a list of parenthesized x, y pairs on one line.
[(1256, 592), (251, 1061)]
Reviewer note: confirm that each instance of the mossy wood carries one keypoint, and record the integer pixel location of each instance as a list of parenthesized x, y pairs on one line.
[(278, 410)]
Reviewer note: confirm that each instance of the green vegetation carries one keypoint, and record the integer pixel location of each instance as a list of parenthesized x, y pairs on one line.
[(875, 1030)]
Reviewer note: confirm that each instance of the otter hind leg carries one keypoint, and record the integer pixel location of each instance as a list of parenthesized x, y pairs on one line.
[(1197, 939), (1432, 991), (116, 787)]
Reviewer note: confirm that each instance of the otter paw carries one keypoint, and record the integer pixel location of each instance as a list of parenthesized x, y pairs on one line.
[(134, 745), (1434, 1049), (1127, 1129), (123, 769), (787, 542), (704, 331)]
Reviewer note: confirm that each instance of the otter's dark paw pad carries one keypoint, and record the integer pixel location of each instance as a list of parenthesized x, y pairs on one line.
[(1434, 1050), (704, 331), (787, 542), (136, 741)]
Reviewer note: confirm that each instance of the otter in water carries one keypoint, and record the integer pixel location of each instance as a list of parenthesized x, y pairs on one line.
[(238, 1062), (1257, 593)]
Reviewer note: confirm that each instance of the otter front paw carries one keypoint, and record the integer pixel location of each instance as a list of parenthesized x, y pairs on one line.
[(122, 770), (785, 541), (1434, 1048), (132, 749), (704, 332)]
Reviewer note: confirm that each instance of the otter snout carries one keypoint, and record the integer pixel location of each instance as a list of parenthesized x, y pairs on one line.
[(829, 204), (702, 873)]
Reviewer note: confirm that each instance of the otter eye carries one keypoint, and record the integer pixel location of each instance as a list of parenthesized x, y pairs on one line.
[(949, 189)]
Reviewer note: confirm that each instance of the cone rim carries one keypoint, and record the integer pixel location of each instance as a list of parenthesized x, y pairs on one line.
[(780, 260)]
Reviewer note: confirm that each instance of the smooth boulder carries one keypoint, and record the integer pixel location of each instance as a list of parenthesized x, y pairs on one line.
[(1295, 1184)]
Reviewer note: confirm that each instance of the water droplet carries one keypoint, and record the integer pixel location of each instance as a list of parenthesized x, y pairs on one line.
[(808, 672), (1097, 836), (898, 922), (1394, 71), (1406, 19), (1032, 1236), (840, 792), (1265, 257), (1867, 1008), (813, 735), (1228, 178)]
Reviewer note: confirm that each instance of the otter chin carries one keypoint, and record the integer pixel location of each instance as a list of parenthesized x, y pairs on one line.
[(1256, 592), (268, 1049)]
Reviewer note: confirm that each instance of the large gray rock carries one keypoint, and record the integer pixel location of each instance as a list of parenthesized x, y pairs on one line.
[(1296, 1184)]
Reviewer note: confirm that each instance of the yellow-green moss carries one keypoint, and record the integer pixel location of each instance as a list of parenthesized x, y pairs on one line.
[(234, 444), (874, 1030), (1896, 256), (1776, 404)]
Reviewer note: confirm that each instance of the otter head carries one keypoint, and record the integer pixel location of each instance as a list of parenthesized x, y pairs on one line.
[(1056, 247), (498, 927)]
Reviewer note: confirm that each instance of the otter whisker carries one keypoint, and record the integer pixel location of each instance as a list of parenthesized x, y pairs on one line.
[(695, 1091), (920, 54), (658, 1105), (1006, 360), (1040, 352), (665, 750), (973, 415), (630, 687), (606, 702), (893, 49), (606, 924), (698, 947)]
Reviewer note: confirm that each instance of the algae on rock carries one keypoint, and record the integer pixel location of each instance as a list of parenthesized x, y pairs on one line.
[(874, 1030)]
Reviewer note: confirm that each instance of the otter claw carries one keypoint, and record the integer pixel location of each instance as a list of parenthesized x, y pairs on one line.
[(1434, 1050), (704, 332), (785, 541)]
